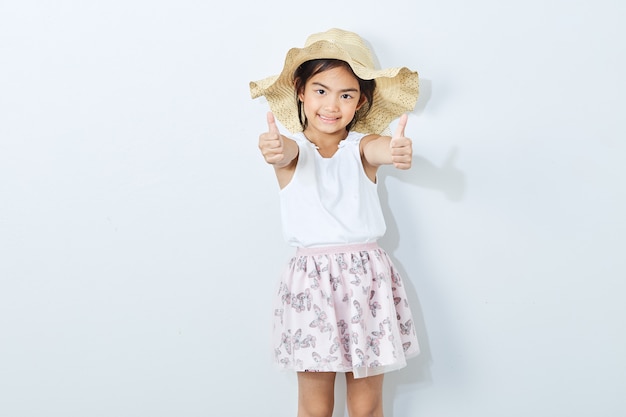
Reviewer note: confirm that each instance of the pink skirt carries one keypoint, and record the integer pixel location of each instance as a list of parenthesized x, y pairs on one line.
[(342, 309)]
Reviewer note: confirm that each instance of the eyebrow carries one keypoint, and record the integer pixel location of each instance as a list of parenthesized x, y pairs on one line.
[(345, 90)]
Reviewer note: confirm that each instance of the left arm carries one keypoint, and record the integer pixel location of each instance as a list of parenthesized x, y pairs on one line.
[(384, 150)]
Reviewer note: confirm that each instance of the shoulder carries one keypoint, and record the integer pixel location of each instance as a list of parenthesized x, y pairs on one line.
[(355, 137), (367, 138), (297, 137)]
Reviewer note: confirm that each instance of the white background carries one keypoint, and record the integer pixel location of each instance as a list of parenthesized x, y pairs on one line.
[(139, 227)]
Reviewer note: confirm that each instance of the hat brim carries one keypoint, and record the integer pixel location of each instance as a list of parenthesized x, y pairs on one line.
[(396, 90)]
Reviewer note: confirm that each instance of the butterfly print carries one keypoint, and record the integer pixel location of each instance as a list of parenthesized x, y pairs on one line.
[(379, 279), (295, 339), (327, 298), (396, 300), (323, 361), (285, 294), (341, 262), (388, 323), (342, 326), (315, 282), (302, 301), (381, 333), (395, 277), (357, 317), (286, 341), (345, 342), (356, 281), (301, 264), (373, 344), (318, 269), (316, 274), (406, 327), (279, 313), (283, 288), (358, 265), (374, 305), (308, 341), (297, 342), (362, 358), (320, 321), (335, 282), (286, 298)]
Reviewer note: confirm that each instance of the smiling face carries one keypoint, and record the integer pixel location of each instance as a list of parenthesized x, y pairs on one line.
[(330, 99)]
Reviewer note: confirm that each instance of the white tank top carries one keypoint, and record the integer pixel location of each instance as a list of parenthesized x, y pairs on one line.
[(330, 201)]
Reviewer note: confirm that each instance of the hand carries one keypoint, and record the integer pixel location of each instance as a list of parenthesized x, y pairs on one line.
[(401, 146), (271, 142)]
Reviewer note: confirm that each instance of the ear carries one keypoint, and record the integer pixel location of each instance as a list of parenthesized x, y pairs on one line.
[(362, 101), (300, 95)]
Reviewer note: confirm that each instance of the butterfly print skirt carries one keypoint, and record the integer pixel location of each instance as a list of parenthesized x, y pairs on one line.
[(342, 309)]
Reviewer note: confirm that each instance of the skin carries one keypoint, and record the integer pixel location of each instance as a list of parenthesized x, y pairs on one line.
[(330, 100), (316, 395)]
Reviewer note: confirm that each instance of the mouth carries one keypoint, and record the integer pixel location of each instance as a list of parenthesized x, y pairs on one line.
[(328, 119)]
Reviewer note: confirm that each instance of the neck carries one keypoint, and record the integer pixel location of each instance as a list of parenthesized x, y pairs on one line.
[(325, 140)]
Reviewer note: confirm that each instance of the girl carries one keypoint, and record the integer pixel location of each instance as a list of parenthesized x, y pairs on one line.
[(340, 305)]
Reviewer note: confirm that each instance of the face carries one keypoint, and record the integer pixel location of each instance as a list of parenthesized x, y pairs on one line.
[(330, 100)]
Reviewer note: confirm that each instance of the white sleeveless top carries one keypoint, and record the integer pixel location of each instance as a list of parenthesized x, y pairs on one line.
[(330, 201)]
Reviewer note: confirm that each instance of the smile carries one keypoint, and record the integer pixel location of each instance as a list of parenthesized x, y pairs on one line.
[(328, 119)]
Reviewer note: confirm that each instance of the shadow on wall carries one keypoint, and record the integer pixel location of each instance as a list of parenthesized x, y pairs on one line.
[(445, 178)]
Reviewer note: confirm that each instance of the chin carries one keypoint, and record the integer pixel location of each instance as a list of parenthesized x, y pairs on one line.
[(330, 127)]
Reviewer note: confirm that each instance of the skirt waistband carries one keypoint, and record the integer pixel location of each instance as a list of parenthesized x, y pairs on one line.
[(351, 247)]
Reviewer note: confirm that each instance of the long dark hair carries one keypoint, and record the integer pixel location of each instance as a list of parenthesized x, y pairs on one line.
[(310, 68)]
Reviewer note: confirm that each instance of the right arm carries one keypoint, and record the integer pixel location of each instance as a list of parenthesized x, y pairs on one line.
[(279, 151)]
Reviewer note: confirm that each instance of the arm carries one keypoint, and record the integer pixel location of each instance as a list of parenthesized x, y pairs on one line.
[(384, 150)]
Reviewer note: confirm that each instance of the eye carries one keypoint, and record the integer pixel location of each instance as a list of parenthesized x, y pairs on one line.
[(320, 91), (346, 96)]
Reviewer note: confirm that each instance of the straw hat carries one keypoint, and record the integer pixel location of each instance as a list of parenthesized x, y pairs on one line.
[(396, 88)]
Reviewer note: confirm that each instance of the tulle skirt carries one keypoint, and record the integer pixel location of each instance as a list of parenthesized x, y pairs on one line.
[(342, 309)]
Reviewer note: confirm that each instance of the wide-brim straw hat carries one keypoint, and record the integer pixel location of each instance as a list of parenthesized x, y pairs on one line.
[(396, 88)]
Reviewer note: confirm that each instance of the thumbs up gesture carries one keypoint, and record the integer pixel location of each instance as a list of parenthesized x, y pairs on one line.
[(401, 146), (271, 142)]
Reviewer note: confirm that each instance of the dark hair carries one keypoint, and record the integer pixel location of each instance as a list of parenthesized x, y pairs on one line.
[(311, 68)]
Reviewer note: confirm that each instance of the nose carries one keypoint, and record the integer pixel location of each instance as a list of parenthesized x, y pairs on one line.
[(331, 103)]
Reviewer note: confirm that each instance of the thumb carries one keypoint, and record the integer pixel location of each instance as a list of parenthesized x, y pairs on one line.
[(399, 133), (271, 123)]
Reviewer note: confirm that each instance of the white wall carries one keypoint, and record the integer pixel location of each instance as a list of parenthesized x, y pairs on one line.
[(139, 225)]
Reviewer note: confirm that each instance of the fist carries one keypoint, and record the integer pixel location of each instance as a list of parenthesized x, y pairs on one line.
[(401, 146), (271, 142)]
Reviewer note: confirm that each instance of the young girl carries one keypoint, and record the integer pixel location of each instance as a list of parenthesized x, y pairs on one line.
[(341, 305)]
